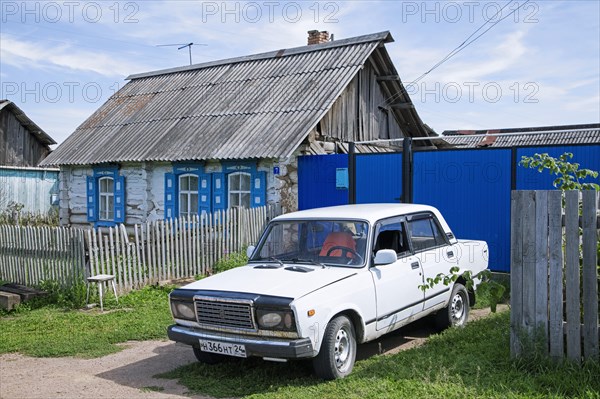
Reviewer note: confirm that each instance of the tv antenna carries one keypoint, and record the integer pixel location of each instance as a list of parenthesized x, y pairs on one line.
[(182, 46)]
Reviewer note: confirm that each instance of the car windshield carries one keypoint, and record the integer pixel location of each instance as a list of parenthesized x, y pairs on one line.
[(317, 242)]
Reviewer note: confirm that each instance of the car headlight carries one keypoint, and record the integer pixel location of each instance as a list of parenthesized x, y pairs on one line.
[(270, 319), (183, 310)]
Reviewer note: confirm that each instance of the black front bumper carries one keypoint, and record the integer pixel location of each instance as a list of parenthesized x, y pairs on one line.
[(255, 346)]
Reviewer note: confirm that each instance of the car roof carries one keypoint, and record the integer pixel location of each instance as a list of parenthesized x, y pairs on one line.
[(369, 212)]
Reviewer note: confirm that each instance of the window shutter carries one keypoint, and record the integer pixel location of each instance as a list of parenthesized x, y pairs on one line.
[(120, 199), (170, 196), (219, 198), (204, 195), (258, 189), (91, 200)]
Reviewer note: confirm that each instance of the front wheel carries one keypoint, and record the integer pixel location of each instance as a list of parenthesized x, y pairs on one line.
[(338, 350), (456, 313)]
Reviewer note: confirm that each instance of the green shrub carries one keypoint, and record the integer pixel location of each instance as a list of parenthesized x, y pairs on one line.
[(231, 261)]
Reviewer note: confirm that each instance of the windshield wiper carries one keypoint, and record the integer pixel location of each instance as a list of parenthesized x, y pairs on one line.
[(309, 261), (274, 259)]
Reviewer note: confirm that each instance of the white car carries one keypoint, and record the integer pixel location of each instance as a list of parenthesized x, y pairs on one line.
[(320, 281)]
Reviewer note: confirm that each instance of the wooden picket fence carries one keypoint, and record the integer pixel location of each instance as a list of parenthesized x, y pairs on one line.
[(553, 310), (137, 256), (173, 249), (29, 254)]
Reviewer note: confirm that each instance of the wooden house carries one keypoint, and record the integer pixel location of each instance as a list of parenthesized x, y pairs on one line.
[(227, 133), (22, 142)]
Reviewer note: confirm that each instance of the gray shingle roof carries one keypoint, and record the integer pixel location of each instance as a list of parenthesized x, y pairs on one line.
[(260, 106), (535, 136)]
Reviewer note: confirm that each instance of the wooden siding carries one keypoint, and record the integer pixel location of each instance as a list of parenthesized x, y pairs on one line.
[(360, 113), (18, 147), (31, 187)]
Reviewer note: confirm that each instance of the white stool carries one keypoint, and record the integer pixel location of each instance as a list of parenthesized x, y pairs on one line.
[(100, 279)]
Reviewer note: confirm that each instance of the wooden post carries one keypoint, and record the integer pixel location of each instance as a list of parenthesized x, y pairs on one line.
[(572, 276), (590, 276), (541, 267), (138, 268), (351, 173), (529, 261), (516, 272), (555, 294)]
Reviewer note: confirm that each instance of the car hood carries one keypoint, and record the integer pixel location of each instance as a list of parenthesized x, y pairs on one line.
[(283, 282)]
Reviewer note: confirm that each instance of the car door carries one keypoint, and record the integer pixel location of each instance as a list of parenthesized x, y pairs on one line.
[(434, 252), (396, 285)]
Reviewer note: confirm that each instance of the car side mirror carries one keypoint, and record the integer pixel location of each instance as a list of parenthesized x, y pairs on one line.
[(385, 257), (250, 251)]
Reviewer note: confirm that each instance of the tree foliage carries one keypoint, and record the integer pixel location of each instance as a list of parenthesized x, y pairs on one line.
[(569, 176)]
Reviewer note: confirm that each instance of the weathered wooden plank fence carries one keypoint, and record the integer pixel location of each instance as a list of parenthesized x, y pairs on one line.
[(175, 248), (29, 255), (554, 298), (145, 254)]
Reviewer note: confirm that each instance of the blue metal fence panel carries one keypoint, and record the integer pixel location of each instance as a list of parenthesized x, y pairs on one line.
[(378, 178), (530, 179), (317, 181), (471, 188)]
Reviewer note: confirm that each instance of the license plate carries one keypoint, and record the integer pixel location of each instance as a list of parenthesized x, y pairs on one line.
[(223, 348)]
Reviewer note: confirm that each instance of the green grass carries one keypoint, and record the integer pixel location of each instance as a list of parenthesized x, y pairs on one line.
[(471, 362), (52, 331)]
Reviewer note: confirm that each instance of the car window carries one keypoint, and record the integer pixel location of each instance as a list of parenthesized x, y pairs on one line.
[(331, 242), (425, 234), (391, 235)]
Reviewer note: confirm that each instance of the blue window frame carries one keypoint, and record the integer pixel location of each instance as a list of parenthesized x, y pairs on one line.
[(239, 184), (105, 196)]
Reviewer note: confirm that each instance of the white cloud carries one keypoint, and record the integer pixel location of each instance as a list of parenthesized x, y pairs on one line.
[(27, 55)]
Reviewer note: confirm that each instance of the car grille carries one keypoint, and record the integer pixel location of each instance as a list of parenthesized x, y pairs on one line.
[(225, 314)]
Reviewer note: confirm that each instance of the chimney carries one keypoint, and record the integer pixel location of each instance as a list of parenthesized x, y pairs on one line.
[(316, 37)]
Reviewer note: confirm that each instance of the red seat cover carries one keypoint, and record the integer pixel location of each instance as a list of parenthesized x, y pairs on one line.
[(338, 239)]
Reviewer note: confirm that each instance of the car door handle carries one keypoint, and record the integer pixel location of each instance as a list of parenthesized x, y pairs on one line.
[(450, 254), (414, 265)]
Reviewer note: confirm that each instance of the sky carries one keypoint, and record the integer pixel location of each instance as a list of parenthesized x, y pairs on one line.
[(533, 63)]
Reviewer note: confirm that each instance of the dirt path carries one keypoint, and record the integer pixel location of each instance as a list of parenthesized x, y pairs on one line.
[(129, 373)]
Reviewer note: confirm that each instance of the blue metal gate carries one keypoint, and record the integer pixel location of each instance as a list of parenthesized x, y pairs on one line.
[(378, 178), (472, 190), (317, 181)]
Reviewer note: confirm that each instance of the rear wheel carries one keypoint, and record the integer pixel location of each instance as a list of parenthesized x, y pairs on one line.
[(456, 313), (207, 357), (338, 350)]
